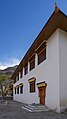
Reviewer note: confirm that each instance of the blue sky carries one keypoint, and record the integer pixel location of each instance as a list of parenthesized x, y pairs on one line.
[(20, 23)]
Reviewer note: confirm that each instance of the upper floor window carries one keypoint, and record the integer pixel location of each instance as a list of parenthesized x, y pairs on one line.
[(32, 65), (42, 56), (26, 69), (41, 53), (21, 73), (32, 62), (17, 78)]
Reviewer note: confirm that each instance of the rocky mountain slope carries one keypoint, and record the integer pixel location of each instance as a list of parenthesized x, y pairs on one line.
[(8, 71)]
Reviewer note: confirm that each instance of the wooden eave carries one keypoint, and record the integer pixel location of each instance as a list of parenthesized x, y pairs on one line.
[(57, 20)]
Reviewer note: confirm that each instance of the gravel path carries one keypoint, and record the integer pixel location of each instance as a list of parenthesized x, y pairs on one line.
[(13, 110)]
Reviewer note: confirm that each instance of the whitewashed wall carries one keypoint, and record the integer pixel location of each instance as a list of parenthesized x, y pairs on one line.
[(47, 71), (63, 68)]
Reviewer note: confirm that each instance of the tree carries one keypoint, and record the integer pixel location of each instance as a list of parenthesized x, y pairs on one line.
[(3, 78)]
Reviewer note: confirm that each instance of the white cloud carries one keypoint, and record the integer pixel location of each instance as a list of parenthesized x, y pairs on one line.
[(11, 62), (2, 66)]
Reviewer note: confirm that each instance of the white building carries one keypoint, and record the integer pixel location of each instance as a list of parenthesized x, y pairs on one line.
[(41, 76)]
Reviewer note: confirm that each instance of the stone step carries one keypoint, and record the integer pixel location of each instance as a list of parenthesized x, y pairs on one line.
[(29, 107), (38, 107), (32, 108), (40, 110), (26, 108)]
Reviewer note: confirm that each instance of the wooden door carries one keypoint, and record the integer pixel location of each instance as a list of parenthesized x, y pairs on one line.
[(42, 95)]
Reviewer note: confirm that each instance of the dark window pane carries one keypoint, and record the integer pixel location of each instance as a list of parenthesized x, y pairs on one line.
[(43, 46), (26, 70), (42, 56), (17, 78), (21, 74), (18, 90), (32, 65), (21, 89), (15, 90), (32, 87)]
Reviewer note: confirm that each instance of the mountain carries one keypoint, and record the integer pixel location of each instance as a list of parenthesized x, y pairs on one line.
[(8, 71), (6, 81)]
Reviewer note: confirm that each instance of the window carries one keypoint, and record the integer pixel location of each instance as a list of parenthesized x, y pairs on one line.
[(18, 90), (17, 78), (21, 89), (32, 86), (42, 56), (21, 74), (15, 90), (41, 51), (32, 64), (26, 69)]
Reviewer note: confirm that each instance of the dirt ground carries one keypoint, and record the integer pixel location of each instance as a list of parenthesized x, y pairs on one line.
[(13, 110)]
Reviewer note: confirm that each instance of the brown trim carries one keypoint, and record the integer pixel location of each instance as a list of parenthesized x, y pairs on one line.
[(40, 82), (41, 51), (44, 42), (32, 57), (32, 60), (33, 78), (42, 47), (26, 64)]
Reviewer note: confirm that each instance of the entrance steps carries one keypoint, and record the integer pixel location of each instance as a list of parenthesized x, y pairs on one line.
[(35, 108)]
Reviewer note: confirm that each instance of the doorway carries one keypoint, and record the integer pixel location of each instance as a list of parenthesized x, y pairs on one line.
[(42, 91)]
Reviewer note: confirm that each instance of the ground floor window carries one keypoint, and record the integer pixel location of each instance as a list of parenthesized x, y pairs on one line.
[(21, 89), (18, 90), (32, 82), (15, 90), (32, 86)]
